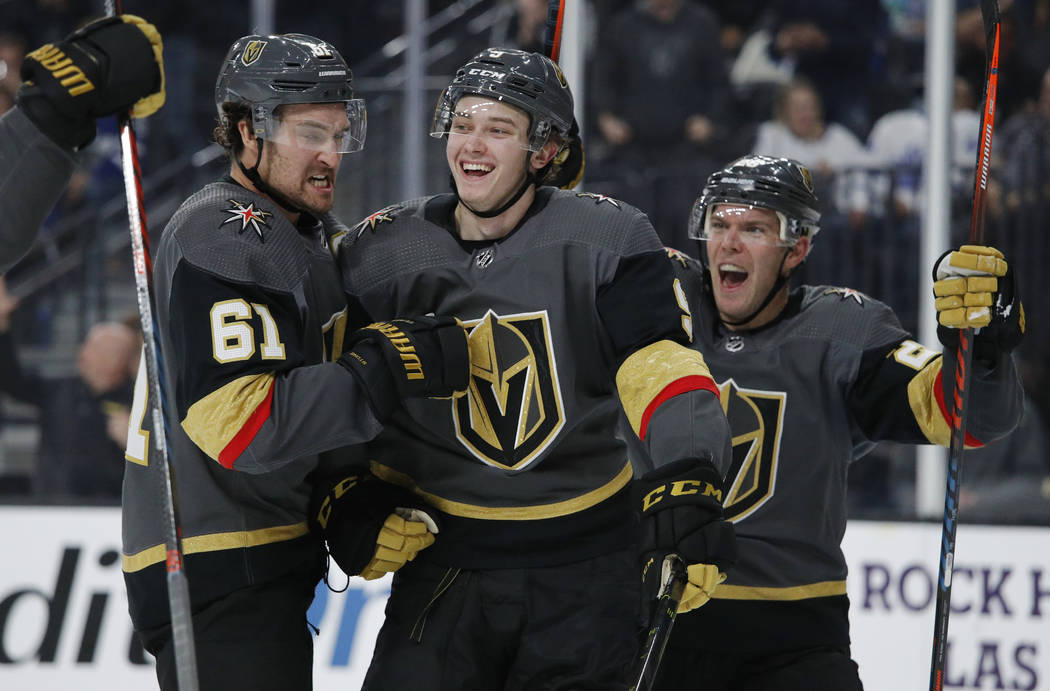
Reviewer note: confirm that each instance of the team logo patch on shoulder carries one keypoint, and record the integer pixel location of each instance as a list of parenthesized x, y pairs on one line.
[(248, 215), (847, 293), (384, 215), (599, 198)]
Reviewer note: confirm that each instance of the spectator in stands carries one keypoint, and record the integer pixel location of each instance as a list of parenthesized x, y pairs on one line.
[(898, 143), (828, 40), (840, 164), (899, 140), (663, 102), (83, 419), (800, 131)]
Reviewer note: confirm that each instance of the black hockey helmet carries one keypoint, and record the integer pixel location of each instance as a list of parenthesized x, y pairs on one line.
[(782, 185), (529, 81), (266, 72)]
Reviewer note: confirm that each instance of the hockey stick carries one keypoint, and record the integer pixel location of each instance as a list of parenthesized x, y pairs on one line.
[(664, 613), (178, 586), (990, 15), (552, 33)]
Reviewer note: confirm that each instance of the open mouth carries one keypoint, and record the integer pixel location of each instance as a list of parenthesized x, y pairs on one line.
[(475, 170), (322, 182), (731, 276)]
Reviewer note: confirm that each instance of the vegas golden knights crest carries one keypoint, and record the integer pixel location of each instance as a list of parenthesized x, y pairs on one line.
[(252, 51), (513, 407), (756, 418)]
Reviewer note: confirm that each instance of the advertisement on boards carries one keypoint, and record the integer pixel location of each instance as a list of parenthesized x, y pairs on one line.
[(64, 621)]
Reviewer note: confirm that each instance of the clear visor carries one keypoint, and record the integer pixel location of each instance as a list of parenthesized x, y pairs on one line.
[(754, 224), (324, 134), (475, 116)]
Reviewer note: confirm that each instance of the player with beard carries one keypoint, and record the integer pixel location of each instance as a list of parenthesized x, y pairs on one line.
[(575, 320), (810, 379), (262, 377)]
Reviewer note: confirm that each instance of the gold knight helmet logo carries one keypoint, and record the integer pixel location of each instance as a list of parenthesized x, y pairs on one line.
[(513, 407), (756, 419), (252, 51)]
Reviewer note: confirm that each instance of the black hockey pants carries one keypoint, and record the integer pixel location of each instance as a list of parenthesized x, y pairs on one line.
[(688, 669), (536, 629), (255, 638)]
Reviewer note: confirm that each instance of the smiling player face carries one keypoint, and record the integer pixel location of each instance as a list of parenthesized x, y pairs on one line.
[(487, 151)]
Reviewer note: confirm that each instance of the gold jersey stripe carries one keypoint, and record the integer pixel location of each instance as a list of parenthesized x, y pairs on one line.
[(924, 397), (216, 419), (509, 513), (215, 542), (796, 592), (648, 371)]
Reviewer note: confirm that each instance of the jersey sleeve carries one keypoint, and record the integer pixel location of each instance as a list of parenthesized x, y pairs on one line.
[(902, 394), (244, 393), (665, 387), (34, 175)]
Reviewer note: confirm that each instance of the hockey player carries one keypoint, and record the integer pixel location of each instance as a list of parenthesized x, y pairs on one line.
[(252, 323), (106, 67), (810, 378), (574, 319)]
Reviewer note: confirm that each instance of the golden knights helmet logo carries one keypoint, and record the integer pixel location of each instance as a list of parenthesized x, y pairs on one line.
[(252, 51), (756, 419), (513, 408)]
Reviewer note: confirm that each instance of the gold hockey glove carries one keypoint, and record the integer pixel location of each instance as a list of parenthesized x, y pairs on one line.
[(371, 527), (104, 68), (974, 287), (681, 512)]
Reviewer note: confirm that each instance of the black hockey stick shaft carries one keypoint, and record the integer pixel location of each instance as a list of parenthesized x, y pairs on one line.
[(552, 33), (664, 613), (964, 358), (178, 586)]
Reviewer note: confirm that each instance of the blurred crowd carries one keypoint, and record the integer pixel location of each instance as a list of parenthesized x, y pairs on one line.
[(673, 90)]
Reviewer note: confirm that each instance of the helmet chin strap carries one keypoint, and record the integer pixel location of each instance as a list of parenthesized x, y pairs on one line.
[(530, 179), (253, 175), (777, 285)]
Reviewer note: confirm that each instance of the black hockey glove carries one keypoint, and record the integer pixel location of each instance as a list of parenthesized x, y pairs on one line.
[(425, 357), (974, 287), (372, 527), (681, 512), (104, 68)]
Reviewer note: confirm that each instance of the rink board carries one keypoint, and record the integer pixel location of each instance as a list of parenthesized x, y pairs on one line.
[(64, 624)]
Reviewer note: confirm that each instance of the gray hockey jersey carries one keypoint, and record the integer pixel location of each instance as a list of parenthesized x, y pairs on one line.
[(33, 173), (806, 395), (250, 314), (574, 320)]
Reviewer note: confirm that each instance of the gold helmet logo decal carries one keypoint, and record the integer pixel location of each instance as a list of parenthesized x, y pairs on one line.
[(513, 407), (807, 177), (251, 52)]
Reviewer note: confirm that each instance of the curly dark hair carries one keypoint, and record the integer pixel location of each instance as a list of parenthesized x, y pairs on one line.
[(225, 133)]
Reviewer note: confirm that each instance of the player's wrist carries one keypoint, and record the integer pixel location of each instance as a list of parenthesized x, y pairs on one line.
[(365, 362)]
